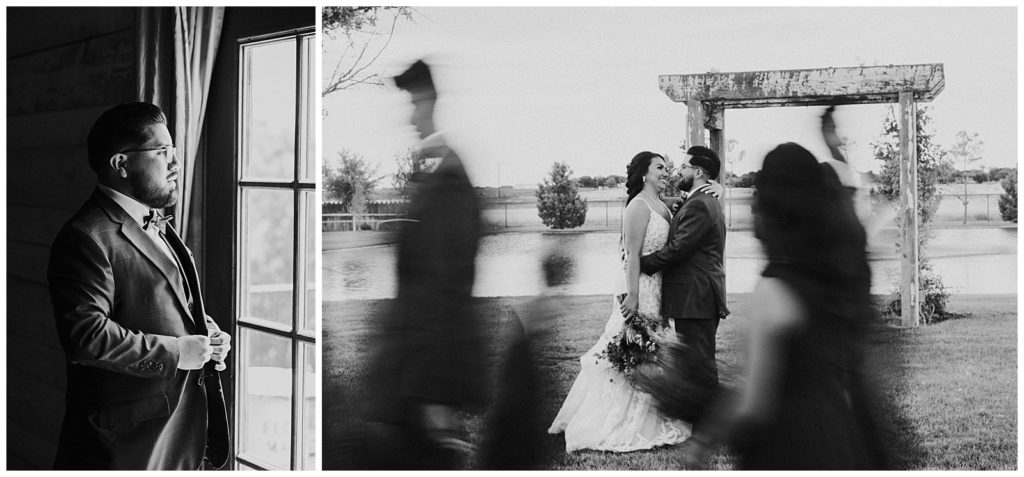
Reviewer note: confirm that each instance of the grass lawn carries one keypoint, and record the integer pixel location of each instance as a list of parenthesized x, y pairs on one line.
[(953, 385)]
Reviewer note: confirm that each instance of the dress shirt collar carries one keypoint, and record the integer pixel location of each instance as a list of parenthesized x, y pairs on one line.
[(135, 209), (433, 145)]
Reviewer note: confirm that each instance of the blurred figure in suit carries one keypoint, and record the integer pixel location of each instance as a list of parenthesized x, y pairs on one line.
[(143, 357), (804, 404), (430, 363)]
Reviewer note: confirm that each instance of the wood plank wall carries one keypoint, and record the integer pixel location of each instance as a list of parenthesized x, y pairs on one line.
[(64, 67)]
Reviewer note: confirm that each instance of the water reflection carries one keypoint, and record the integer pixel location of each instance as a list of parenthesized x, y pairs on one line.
[(973, 261)]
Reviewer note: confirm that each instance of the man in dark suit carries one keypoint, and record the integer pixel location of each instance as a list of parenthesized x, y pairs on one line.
[(430, 363), (693, 277), (143, 388)]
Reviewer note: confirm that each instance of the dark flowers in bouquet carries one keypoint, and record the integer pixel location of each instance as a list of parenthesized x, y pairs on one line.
[(637, 343)]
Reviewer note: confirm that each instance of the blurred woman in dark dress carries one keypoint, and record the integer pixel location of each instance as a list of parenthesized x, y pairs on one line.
[(804, 404)]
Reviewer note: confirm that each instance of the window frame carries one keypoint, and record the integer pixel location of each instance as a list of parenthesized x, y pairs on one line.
[(299, 187)]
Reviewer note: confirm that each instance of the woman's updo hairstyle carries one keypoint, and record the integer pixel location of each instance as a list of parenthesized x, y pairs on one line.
[(635, 172)]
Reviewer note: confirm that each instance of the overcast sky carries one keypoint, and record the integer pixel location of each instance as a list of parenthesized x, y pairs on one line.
[(521, 88)]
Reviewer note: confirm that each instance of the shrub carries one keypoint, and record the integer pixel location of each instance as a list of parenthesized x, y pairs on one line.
[(1008, 201), (933, 298), (558, 201)]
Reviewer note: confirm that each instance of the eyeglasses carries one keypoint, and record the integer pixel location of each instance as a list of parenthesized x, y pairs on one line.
[(165, 150)]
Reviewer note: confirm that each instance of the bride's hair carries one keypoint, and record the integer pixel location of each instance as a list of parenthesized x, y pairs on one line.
[(635, 172)]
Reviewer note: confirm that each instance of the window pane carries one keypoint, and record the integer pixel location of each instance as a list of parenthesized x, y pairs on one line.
[(307, 164), (267, 256), (268, 115), (307, 410), (265, 398)]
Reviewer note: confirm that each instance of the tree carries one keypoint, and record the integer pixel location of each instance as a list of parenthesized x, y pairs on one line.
[(946, 173), (746, 180), (1008, 201), (409, 163), (362, 43), (1000, 173), (558, 201), (887, 188), (348, 178), (967, 148), (672, 183), (587, 181)]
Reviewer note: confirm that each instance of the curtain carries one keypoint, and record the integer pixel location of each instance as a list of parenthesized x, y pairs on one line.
[(177, 48)]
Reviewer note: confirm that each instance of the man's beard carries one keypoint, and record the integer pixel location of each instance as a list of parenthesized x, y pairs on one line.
[(149, 193), (686, 184)]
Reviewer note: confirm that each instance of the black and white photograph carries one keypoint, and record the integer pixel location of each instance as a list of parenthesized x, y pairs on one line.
[(161, 224), (669, 238)]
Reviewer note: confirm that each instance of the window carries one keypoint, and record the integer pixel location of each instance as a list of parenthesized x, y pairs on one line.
[(276, 287)]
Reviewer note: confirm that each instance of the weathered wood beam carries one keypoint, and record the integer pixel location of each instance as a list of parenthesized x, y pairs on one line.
[(808, 87), (910, 276)]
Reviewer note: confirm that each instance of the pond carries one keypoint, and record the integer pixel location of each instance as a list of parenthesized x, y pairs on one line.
[(970, 260)]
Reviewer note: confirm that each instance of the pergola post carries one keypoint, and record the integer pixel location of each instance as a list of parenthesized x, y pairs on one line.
[(695, 123), (910, 276), (715, 124)]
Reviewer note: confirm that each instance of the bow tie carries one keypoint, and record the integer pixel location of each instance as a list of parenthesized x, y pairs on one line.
[(156, 219)]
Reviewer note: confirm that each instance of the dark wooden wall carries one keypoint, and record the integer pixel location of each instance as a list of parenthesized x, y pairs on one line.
[(65, 66)]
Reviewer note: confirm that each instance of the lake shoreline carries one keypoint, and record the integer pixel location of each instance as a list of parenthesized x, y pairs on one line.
[(348, 240)]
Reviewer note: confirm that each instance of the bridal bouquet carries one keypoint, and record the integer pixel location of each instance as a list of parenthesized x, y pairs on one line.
[(637, 343)]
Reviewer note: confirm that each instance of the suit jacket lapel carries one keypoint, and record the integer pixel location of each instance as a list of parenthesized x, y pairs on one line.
[(138, 238)]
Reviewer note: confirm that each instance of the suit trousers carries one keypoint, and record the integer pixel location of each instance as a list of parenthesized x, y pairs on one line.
[(701, 336)]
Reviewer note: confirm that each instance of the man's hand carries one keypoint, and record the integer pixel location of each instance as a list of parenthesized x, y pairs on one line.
[(220, 346), (193, 351)]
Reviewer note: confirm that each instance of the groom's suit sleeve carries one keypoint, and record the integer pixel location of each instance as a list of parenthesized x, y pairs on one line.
[(694, 225), (82, 291)]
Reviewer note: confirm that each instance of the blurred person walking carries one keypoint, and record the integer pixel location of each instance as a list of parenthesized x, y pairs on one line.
[(803, 405), (429, 365)]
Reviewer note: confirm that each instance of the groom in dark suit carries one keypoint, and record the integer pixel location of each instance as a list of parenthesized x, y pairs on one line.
[(693, 277), (143, 388)]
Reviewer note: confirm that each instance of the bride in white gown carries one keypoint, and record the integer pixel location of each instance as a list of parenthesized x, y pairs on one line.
[(603, 411)]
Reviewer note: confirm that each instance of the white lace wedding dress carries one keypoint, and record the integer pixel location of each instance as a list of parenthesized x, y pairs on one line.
[(603, 411)]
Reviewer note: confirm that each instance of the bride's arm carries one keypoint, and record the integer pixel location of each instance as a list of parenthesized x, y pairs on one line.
[(633, 229)]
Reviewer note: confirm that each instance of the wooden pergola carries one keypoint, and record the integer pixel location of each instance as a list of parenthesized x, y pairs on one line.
[(708, 95)]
